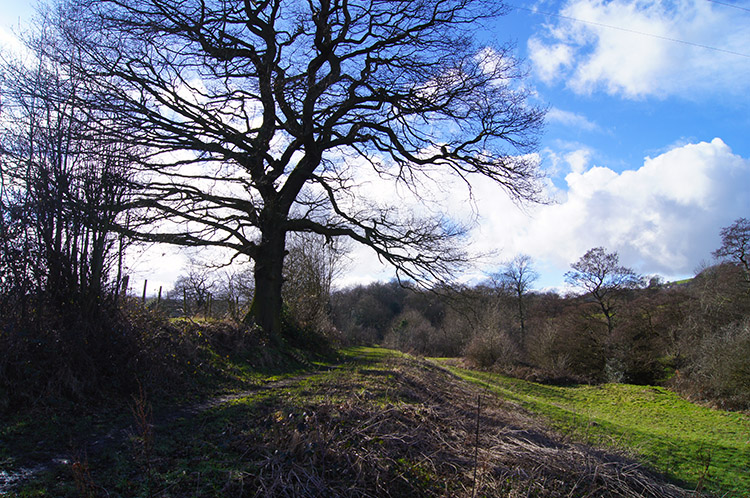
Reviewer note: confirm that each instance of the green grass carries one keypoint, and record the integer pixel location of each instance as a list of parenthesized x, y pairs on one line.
[(60, 427), (691, 443), (217, 452), (208, 454)]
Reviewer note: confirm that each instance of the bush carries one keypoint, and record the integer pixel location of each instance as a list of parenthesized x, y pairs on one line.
[(50, 358), (53, 353), (410, 332), (492, 348), (544, 353), (721, 369)]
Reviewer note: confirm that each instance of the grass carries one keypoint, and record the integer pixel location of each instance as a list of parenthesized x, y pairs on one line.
[(703, 447), (371, 423), (204, 360), (228, 446), (375, 423)]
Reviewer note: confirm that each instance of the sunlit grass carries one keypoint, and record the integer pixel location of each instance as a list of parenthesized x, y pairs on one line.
[(692, 443)]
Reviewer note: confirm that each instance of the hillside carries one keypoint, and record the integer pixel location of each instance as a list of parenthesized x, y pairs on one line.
[(377, 424)]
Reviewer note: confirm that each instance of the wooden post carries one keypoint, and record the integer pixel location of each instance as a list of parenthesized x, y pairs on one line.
[(145, 284), (125, 283)]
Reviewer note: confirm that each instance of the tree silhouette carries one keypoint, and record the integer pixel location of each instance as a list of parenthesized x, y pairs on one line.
[(263, 117), (517, 275), (735, 246)]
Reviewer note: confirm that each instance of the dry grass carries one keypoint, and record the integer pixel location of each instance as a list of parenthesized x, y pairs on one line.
[(408, 429), (377, 426)]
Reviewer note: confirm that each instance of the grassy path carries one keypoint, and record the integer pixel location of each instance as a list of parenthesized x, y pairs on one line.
[(706, 448), (376, 424)]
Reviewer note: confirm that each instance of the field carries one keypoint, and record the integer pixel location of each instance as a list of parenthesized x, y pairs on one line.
[(372, 423), (703, 447)]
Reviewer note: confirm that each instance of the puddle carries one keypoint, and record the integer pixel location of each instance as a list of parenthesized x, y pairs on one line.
[(9, 479)]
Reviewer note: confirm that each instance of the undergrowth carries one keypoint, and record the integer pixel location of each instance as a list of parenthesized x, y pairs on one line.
[(178, 363)]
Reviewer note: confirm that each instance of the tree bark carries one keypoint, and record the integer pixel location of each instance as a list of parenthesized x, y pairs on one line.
[(266, 308)]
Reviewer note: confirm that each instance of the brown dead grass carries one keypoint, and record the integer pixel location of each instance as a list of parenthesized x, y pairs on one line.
[(408, 428)]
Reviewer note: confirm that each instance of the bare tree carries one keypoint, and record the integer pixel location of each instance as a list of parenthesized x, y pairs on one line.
[(64, 183), (735, 246), (262, 118), (517, 276), (236, 288), (599, 273), (194, 288)]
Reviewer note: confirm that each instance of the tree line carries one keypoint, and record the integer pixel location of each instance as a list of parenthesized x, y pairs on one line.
[(616, 327)]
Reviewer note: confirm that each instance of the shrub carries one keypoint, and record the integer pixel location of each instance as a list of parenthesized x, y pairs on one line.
[(411, 332), (492, 348), (721, 368)]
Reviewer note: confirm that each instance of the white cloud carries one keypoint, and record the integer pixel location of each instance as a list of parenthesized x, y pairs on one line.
[(663, 217), (549, 60), (578, 160), (636, 49), (570, 119)]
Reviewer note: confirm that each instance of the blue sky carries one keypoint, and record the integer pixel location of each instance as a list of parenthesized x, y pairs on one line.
[(646, 147)]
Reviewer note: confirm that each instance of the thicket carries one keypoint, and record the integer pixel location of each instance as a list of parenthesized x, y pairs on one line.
[(693, 336)]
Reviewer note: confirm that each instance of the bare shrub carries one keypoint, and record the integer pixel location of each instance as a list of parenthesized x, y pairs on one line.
[(570, 348), (544, 352), (452, 335), (722, 370), (411, 332), (492, 348)]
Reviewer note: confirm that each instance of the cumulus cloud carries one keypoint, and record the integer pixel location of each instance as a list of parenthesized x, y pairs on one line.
[(663, 217), (645, 48)]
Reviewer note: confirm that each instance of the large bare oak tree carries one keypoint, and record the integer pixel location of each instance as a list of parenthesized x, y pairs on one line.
[(262, 116)]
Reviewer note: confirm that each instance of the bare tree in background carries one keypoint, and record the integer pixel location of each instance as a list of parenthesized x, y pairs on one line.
[(265, 118), (735, 246), (236, 288), (309, 271), (517, 276), (600, 274), (194, 288)]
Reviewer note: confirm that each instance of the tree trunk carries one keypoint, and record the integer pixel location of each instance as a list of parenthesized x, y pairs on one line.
[(610, 316), (266, 308)]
